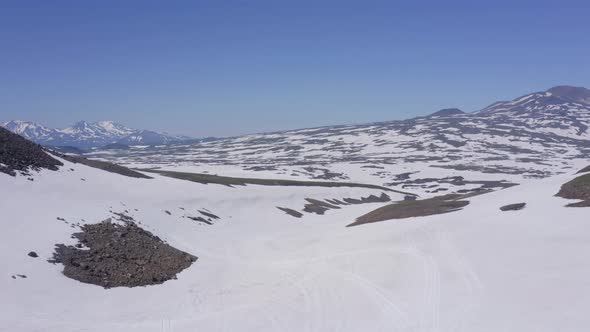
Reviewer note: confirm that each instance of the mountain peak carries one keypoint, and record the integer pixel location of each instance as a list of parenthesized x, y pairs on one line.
[(447, 112), (80, 124), (558, 97), (571, 93), (86, 135)]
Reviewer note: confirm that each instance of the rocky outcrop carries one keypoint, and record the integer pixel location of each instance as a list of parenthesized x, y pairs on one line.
[(120, 255), (17, 154), (415, 208), (513, 207), (578, 188)]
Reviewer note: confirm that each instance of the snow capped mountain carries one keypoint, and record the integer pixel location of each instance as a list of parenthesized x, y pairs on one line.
[(556, 99), (562, 110), (147, 137), (533, 136), (269, 260), (474, 252), (88, 135), (98, 129), (571, 93), (29, 130)]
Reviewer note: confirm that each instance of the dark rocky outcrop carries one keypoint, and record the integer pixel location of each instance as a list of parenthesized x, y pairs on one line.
[(513, 207), (291, 212), (32, 254), (578, 188), (317, 206), (415, 208), (321, 206), (200, 219), (120, 255), (17, 154)]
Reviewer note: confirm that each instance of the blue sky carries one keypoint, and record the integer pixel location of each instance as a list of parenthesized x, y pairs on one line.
[(218, 68)]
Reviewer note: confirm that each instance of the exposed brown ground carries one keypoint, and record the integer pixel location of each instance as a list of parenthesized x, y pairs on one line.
[(321, 206), (584, 170), (513, 207), (114, 255), (416, 208), (578, 188)]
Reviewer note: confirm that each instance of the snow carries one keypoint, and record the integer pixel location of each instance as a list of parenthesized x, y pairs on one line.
[(86, 135), (259, 269)]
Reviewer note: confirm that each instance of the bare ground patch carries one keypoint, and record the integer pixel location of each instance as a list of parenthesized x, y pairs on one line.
[(578, 188), (513, 207), (414, 208), (115, 255)]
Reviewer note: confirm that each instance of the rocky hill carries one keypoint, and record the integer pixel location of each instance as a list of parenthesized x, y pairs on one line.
[(20, 155)]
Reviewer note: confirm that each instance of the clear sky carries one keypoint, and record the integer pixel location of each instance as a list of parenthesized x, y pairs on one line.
[(218, 68)]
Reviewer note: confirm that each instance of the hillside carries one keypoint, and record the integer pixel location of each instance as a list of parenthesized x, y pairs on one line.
[(262, 269), (450, 222), (20, 155), (535, 136)]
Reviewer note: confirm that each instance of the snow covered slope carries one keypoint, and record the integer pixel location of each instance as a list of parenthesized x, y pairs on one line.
[(263, 267), (89, 135), (259, 269), (534, 136)]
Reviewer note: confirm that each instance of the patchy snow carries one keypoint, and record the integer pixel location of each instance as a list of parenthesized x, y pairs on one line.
[(259, 269)]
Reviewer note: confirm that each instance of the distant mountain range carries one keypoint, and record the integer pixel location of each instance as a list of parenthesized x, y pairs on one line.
[(562, 112), (85, 135)]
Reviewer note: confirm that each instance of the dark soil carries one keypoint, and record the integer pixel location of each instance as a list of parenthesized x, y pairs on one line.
[(200, 219), (513, 207), (208, 215), (232, 181), (321, 206), (105, 166), (578, 188), (369, 199), (113, 255), (416, 208), (291, 212), (317, 206), (18, 154)]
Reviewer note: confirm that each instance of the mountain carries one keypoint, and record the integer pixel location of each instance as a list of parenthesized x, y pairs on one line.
[(534, 136), (85, 135), (276, 255), (559, 98), (447, 112), (29, 130), (147, 137)]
